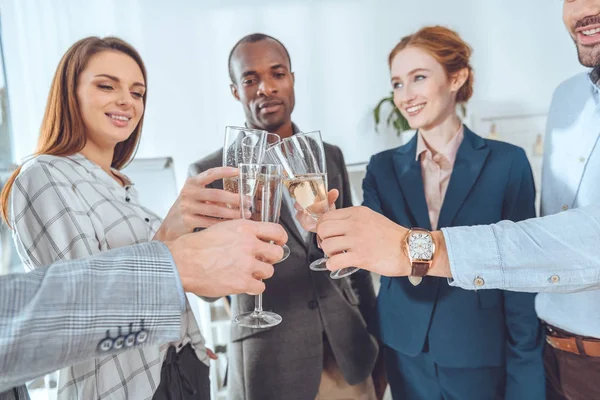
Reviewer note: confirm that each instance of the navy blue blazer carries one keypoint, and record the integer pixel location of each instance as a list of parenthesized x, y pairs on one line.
[(491, 181)]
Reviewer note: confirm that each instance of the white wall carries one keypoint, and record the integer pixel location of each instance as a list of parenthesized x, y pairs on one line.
[(339, 54)]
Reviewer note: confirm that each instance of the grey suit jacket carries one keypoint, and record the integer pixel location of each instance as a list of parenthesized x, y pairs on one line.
[(285, 362), (59, 315)]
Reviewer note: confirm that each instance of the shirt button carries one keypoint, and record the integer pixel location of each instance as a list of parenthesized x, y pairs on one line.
[(581, 159), (147, 219), (564, 207), (119, 342), (479, 282), (313, 304), (130, 340), (554, 279), (141, 336), (106, 344)]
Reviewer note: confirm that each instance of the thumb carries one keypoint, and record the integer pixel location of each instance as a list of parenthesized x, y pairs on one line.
[(332, 196)]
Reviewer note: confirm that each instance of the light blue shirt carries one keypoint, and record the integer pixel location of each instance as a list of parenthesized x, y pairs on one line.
[(558, 255)]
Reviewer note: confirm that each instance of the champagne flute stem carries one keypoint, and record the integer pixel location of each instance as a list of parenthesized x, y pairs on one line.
[(258, 306)]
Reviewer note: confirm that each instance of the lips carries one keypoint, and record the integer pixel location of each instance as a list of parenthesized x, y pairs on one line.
[(588, 34), (413, 110), (120, 120), (270, 106)]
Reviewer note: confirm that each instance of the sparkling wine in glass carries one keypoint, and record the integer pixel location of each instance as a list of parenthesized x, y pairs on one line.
[(261, 194), (302, 157), (242, 145)]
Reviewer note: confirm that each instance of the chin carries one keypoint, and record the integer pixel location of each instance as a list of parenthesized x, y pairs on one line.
[(418, 123)]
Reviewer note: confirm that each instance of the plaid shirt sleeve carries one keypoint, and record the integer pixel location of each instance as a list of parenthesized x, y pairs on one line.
[(51, 222)]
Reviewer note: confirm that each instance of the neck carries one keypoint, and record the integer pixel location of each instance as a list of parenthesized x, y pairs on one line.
[(100, 156), (437, 137), (286, 130)]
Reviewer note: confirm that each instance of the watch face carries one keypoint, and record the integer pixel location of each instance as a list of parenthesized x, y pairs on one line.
[(420, 246)]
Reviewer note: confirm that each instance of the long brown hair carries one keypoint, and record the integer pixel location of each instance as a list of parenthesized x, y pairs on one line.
[(63, 131), (447, 47)]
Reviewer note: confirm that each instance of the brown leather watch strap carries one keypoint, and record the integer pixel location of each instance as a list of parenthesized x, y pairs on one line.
[(419, 269)]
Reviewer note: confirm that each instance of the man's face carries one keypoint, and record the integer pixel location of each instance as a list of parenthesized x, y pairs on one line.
[(582, 19), (263, 84)]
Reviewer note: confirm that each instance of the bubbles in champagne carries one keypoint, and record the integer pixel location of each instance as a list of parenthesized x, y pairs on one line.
[(310, 192), (231, 185)]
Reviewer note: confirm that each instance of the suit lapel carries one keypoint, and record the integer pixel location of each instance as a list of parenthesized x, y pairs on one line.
[(408, 174), (470, 159)]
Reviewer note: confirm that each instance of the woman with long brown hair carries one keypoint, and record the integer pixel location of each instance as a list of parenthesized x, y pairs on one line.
[(71, 201), (439, 341)]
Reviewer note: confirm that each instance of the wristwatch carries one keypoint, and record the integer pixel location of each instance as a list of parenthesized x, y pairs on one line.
[(420, 249)]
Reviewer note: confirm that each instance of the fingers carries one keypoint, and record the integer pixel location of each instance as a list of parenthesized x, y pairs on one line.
[(336, 245), (200, 193), (268, 231), (333, 228), (269, 253), (332, 196), (211, 354), (214, 174), (308, 223), (253, 287), (298, 207), (336, 215), (262, 270), (212, 210), (342, 260), (198, 222)]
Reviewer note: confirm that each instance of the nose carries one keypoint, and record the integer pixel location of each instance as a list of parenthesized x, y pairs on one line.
[(404, 96), (124, 99), (267, 87)]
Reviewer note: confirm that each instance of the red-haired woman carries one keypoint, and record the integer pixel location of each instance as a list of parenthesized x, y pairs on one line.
[(442, 342)]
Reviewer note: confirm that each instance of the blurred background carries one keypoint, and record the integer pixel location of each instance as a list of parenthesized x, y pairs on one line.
[(339, 54)]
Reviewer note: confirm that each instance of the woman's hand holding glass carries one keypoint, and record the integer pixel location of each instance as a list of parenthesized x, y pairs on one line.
[(199, 206)]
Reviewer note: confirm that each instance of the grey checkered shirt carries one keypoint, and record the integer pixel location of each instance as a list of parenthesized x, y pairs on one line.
[(66, 208)]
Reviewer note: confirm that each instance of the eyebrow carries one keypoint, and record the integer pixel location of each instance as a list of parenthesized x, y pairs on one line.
[(252, 72), (418, 70), (411, 73), (114, 78)]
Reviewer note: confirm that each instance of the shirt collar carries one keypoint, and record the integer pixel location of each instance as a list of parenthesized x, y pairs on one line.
[(92, 167), (449, 151)]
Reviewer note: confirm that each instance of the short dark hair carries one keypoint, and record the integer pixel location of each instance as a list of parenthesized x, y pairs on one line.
[(253, 38)]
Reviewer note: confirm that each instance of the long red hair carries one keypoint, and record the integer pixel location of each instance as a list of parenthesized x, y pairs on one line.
[(63, 131)]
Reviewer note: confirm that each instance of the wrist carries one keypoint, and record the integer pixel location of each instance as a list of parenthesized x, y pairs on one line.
[(440, 265), (404, 267), (175, 255)]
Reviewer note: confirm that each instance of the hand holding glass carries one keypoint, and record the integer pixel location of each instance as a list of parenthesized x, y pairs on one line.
[(260, 194)]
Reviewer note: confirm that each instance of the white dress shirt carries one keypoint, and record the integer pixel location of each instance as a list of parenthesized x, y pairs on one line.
[(558, 254)]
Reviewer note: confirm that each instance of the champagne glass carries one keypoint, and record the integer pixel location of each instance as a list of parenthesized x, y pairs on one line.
[(242, 145), (260, 193), (248, 146), (305, 175), (273, 139), (302, 158)]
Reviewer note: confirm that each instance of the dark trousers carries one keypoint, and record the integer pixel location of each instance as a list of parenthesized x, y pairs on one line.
[(571, 376), (420, 378)]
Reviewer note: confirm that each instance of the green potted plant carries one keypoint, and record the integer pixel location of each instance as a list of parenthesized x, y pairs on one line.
[(395, 119)]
